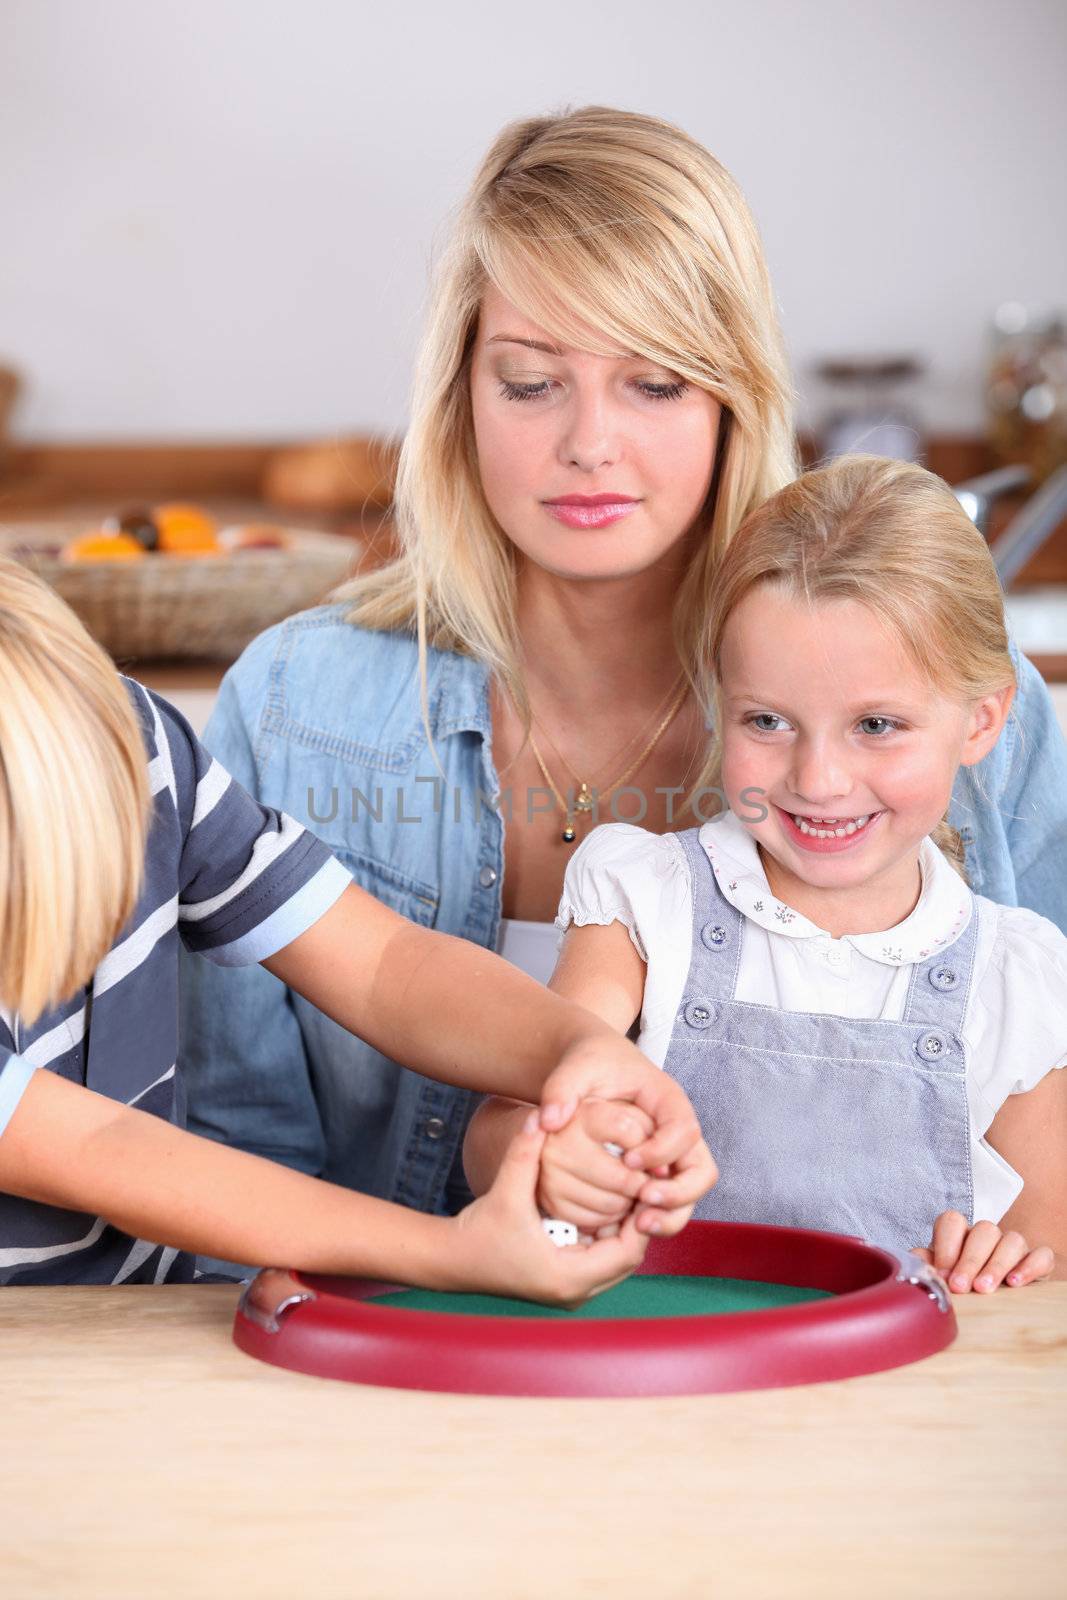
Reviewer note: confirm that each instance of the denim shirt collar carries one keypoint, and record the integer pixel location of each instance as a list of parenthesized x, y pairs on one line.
[(461, 704)]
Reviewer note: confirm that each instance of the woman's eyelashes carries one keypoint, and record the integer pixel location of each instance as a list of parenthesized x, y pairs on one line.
[(872, 727), (535, 391)]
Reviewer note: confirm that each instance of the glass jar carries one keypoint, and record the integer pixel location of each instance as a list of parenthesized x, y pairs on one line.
[(1026, 388)]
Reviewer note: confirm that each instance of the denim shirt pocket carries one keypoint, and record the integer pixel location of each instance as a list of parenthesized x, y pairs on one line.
[(410, 896)]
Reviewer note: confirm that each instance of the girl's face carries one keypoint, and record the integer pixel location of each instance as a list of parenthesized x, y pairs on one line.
[(594, 466), (827, 716)]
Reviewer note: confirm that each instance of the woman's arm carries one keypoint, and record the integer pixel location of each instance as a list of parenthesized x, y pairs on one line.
[(67, 1146), (241, 1051), (1033, 803)]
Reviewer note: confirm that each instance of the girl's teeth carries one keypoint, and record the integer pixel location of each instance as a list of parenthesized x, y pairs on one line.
[(839, 831)]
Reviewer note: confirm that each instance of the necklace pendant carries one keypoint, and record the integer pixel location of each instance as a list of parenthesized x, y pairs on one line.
[(584, 800), (568, 832)]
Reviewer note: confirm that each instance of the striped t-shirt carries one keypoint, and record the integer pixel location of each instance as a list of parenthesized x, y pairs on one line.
[(236, 881)]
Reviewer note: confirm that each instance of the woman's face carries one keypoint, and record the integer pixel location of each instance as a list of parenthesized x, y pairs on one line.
[(594, 466)]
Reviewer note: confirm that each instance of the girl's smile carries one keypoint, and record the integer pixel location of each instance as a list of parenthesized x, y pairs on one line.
[(829, 835), (851, 750)]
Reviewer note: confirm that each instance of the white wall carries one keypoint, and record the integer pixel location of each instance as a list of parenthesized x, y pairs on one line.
[(216, 215)]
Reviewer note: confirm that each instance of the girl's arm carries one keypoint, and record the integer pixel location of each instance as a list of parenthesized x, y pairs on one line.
[(68, 1146), (1030, 1241), (1030, 1132), (599, 969)]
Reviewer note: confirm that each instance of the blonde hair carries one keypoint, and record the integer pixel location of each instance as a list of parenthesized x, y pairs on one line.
[(595, 219), (74, 799), (895, 538)]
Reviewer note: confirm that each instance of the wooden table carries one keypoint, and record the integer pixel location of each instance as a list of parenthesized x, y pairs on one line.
[(144, 1456)]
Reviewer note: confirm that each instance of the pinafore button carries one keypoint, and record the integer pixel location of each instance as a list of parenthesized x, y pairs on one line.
[(713, 935), (434, 1127), (699, 1013), (932, 1046), (943, 978), (487, 877)]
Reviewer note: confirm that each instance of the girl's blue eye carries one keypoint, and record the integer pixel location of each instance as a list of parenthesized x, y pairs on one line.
[(534, 391), (878, 727), (759, 720)]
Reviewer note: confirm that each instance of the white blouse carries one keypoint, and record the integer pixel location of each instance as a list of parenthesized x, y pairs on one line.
[(1015, 1025)]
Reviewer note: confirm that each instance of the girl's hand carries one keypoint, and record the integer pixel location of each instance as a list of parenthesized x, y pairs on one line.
[(583, 1183), (499, 1246), (611, 1068), (981, 1257)]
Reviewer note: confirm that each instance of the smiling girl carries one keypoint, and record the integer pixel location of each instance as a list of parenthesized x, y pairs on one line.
[(869, 1044)]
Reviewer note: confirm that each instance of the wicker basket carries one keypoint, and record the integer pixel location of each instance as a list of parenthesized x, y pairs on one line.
[(189, 606)]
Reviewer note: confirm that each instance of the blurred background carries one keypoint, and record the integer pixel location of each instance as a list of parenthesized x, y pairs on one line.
[(221, 215)]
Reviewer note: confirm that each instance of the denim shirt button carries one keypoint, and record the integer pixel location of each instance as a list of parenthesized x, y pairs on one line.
[(434, 1128), (713, 935), (699, 1013), (932, 1046), (944, 978), (487, 877)]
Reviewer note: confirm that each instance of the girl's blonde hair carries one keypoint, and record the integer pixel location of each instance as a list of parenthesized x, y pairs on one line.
[(895, 538), (74, 799), (595, 219)]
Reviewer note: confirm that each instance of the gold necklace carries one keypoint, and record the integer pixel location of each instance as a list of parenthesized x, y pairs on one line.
[(585, 788), (586, 798)]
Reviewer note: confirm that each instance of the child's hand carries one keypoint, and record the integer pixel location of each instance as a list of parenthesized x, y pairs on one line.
[(500, 1247), (583, 1183), (979, 1258), (611, 1068)]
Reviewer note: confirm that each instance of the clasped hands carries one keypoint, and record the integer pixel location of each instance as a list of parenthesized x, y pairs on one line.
[(664, 1167)]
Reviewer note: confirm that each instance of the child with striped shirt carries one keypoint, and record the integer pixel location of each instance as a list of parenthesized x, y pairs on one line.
[(120, 836)]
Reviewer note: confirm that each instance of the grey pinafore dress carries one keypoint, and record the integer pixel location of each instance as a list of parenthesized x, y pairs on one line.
[(850, 1125)]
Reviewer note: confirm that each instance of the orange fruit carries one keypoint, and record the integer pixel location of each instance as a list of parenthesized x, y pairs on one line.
[(99, 546), (186, 530)]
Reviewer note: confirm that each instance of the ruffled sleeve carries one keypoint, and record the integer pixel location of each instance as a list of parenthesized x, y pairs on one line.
[(1018, 1022), (617, 874)]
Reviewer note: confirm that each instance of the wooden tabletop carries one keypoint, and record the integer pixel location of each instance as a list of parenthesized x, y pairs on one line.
[(145, 1456)]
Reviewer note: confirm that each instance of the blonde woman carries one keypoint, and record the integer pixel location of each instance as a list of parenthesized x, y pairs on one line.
[(871, 1047), (118, 836), (600, 398)]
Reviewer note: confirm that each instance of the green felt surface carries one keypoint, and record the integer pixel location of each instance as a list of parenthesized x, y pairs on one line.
[(647, 1296)]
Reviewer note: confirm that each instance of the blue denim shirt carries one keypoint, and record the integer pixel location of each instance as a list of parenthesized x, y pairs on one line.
[(323, 720)]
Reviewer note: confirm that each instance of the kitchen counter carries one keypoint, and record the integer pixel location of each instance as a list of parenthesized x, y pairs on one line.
[(144, 1455)]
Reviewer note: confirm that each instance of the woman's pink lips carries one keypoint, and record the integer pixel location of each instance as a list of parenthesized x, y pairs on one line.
[(591, 513), (825, 847)]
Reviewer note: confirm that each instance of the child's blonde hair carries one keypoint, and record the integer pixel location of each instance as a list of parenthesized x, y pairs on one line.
[(595, 219), (895, 538), (74, 799)]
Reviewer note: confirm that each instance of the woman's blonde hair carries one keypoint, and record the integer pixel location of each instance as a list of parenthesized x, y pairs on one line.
[(895, 538), (74, 799), (595, 219)]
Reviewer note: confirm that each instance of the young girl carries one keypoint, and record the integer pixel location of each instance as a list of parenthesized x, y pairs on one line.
[(868, 1044), (118, 833)]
